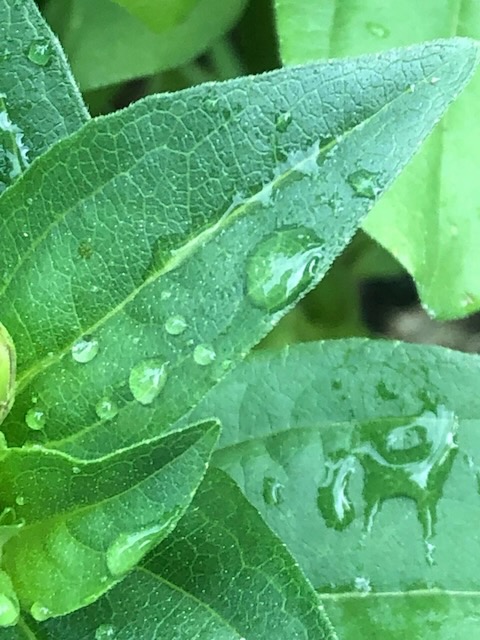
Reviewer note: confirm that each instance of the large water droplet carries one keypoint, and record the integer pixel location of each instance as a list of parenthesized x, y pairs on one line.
[(40, 612), (364, 183), (85, 349), (282, 267), (272, 491), (410, 460), (40, 52), (7, 372), (9, 611), (35, 419), (204, 354), (147, 379), (377, 30), (106, 409), (105, 632), (333, 501), (283, 121), (129, 548), (175, 325)]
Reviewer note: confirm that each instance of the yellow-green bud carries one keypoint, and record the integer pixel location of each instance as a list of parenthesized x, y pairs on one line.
[(7, 372)]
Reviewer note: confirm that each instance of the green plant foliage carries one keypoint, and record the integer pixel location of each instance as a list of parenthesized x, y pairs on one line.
[(429, 220), (159, 18), (106, 44), (39, 101), (126, 238), (221, 574), (379, 441), (142, 257)]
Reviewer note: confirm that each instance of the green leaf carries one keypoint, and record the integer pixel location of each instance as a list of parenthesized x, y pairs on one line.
[(133, 50), (221, 574), (39, 101), (170, 14), (126, 241), (92, 522), (364, 458), (429, 220)]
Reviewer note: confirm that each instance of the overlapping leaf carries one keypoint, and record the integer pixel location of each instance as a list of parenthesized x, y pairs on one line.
[(39, 101), (429, 220), (86, 524), (221, 574), (364, 457), (217, 208), (132, 49)]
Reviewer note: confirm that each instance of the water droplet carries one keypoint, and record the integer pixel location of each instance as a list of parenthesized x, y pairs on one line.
[(283, 121), (40, 52), (147, 379), (377, 30), (434, 80), (106, 409), (175, 325), (333, 502), (20, 500), (272, 491), (76, 470), (165, 295), (35, 419), (364, 183), (129, 549), (105, 632), (7, 372), (282, 267), (204, 354), (40, 612), (9, 611), (85, 349), (362, 584)]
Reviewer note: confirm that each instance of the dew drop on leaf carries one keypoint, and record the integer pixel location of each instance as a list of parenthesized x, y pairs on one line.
[(175, 325), (20, 500), (377, 30), (85, 349), (129, 548), (147, 379), (362, 584), (364, 183), (39, 612), (35, 419), (9, 611), (283, 121), (272, 491), (40, 52), (204, 354), (106, 409), (282, 267), (105, 632)]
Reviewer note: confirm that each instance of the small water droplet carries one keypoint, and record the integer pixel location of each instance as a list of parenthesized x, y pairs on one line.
[(282, 267), (377, 30), (272, 491), (333, 501), (40, 52), (85, 349), (128, 549), (9, 611), (283, 121), (76, 470), (35, 419), (20, 500), (165, 295), (362, 584), (147, 379), (106, 409), (105, 632), (364, 183), (434, 80), (40, 612), (175, 325), (204, 354)]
